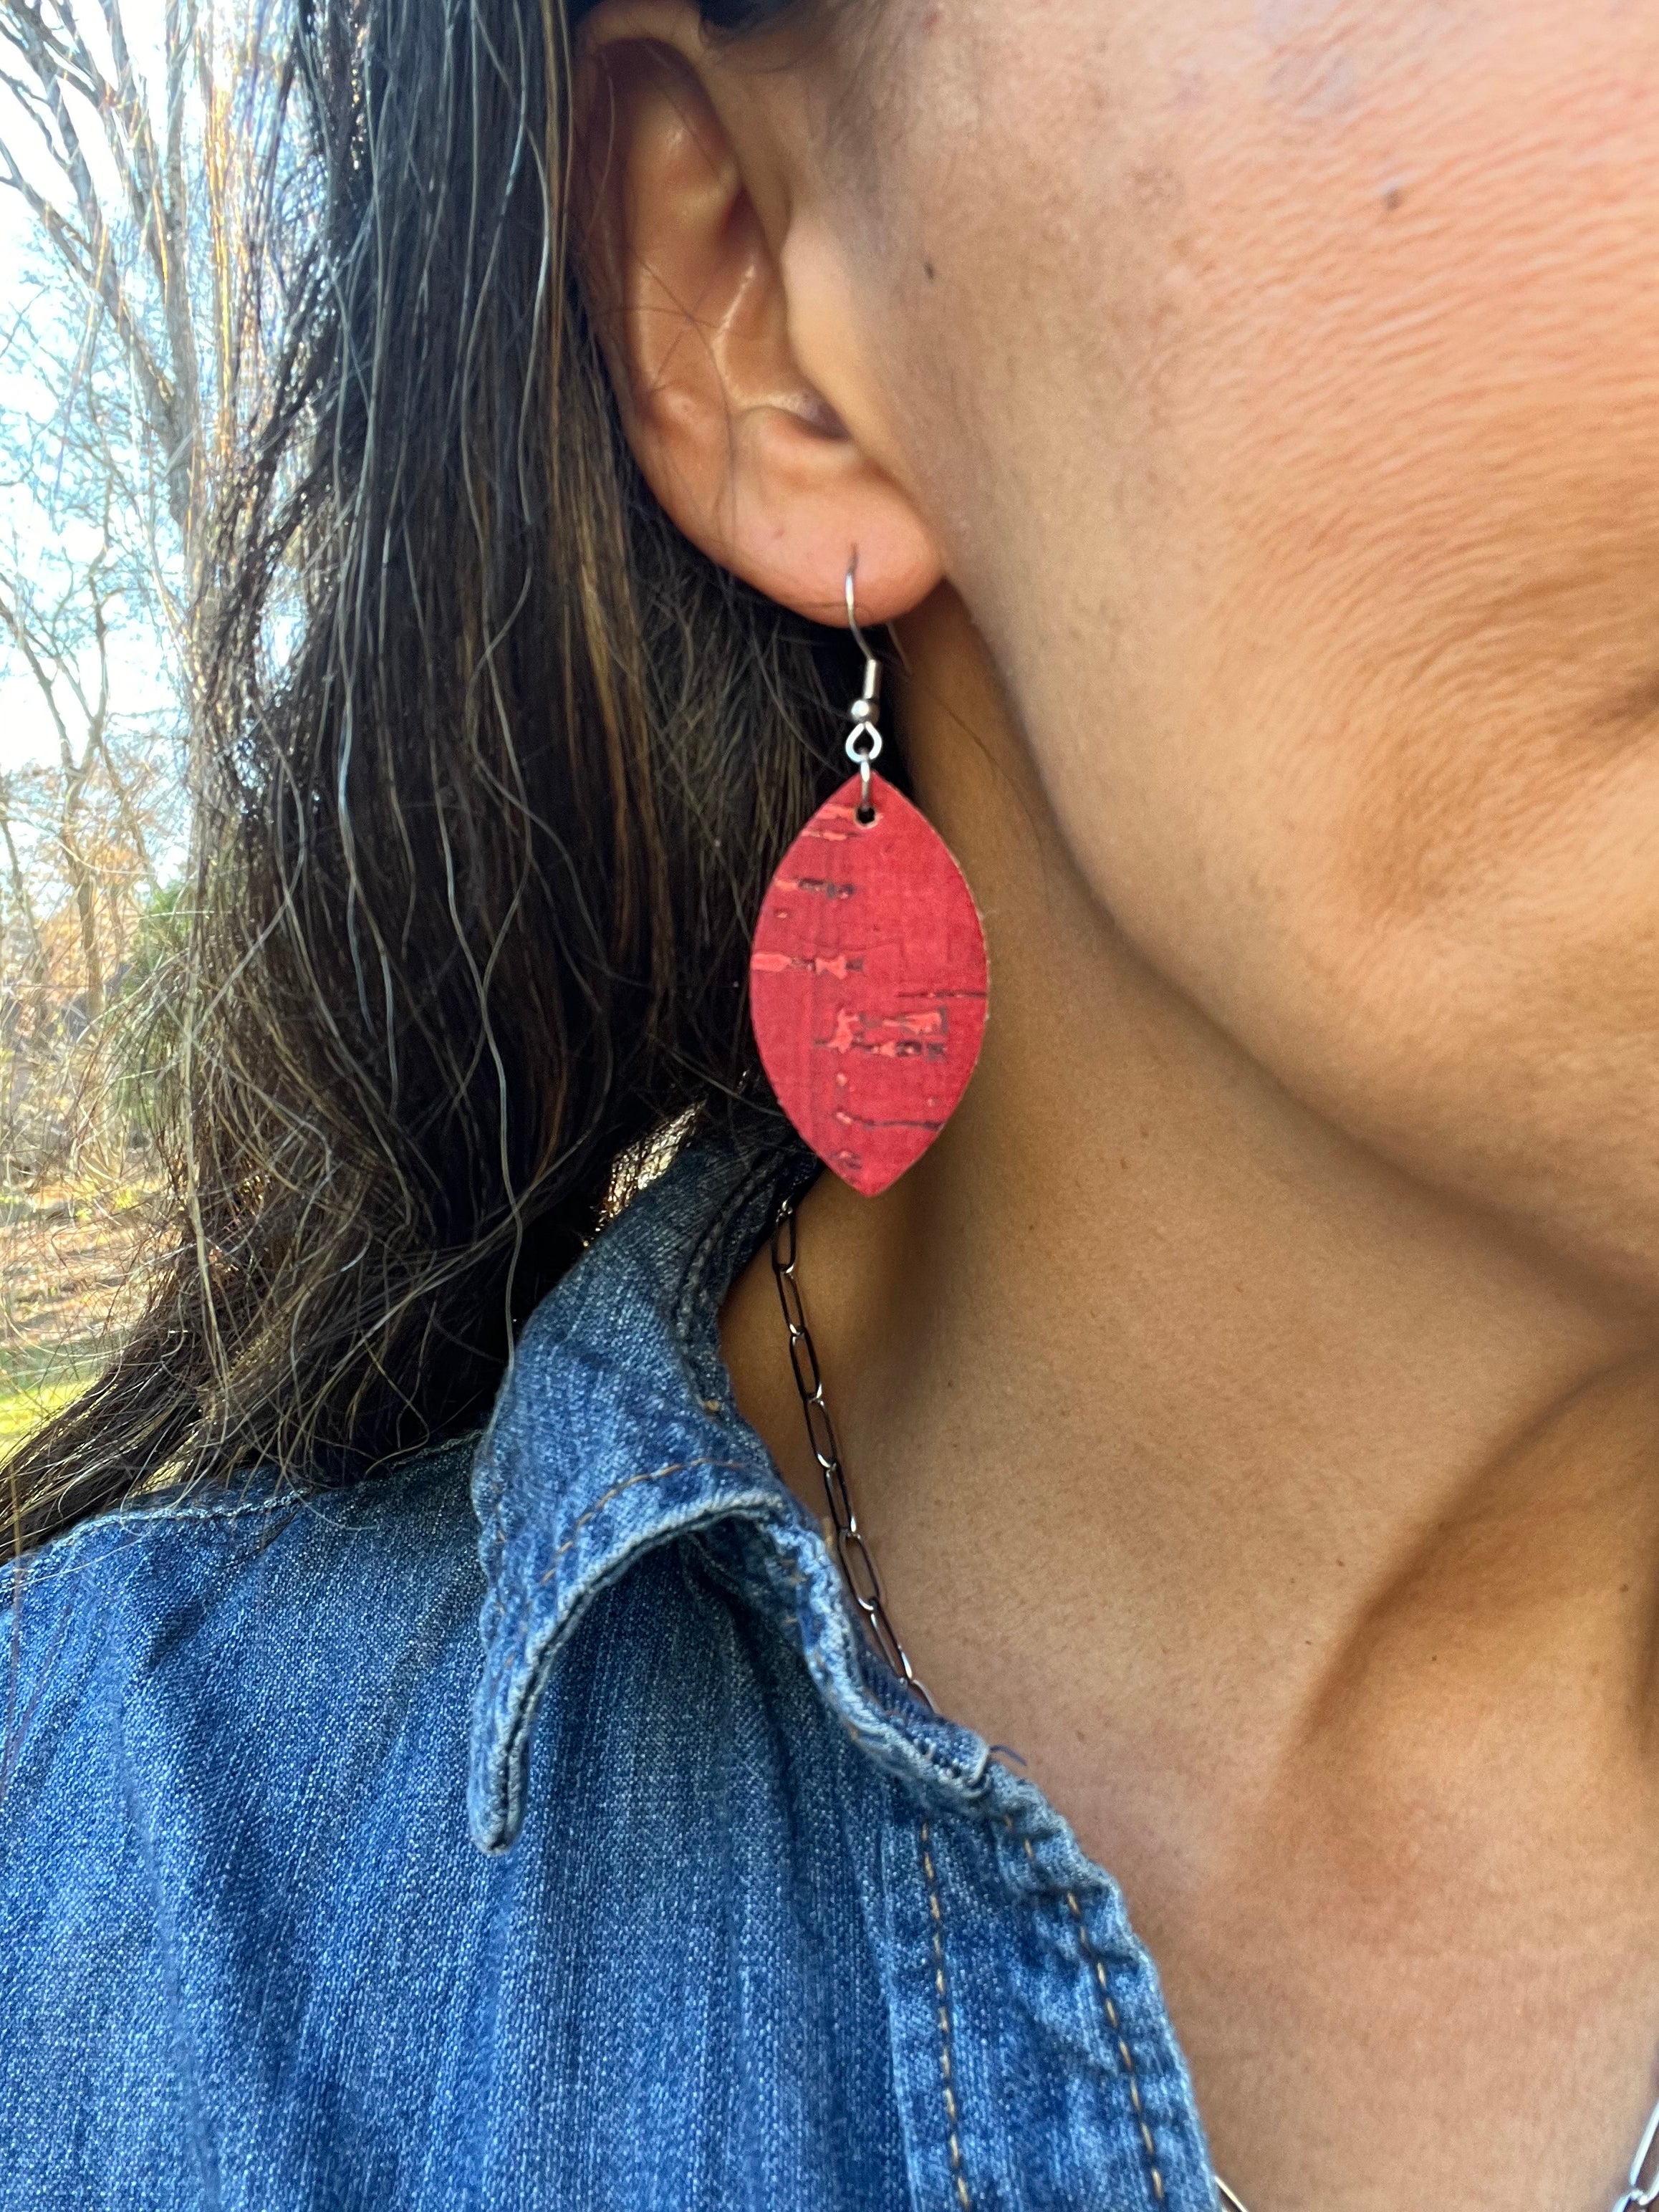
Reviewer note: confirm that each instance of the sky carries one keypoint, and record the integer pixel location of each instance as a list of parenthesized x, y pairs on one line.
[(137, 686)]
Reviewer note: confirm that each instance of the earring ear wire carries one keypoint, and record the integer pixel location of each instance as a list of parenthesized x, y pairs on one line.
[(864, 740)]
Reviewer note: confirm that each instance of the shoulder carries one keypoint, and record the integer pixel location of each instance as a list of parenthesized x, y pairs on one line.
[(234, 1737), (257, 1529), (193, 1612)]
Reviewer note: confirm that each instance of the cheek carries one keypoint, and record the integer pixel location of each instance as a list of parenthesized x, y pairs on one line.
[(1398, 655), (1244, 339), (1405, 528), (1300, 454)]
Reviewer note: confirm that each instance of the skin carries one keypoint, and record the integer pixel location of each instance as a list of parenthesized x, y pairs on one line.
[(1246, 411)]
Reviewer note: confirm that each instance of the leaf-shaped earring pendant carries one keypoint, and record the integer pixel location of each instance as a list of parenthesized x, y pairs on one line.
[(868, 983)]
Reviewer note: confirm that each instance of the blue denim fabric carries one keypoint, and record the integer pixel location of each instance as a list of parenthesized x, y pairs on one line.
[(671, 1898)]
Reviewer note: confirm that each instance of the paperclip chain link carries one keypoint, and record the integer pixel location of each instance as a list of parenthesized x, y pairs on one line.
[(856, 1560)]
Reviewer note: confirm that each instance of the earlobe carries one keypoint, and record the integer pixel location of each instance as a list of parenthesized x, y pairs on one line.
[(684, 214)]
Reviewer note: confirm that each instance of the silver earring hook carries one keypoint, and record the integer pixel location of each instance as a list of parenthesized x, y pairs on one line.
[(864, 740), (872, 665)]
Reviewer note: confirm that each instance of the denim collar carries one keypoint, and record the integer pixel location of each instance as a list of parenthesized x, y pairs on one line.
[(617, 1432)]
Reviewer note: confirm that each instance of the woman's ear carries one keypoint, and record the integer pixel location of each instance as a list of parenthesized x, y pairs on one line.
[(696, 275)]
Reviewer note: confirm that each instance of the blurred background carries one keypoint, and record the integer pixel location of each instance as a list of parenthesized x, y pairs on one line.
[(131, 182)]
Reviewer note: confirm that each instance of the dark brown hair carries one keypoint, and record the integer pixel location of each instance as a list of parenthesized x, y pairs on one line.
[(498, 766)]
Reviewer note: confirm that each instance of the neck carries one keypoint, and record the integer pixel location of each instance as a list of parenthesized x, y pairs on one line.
[(1196, 1443)]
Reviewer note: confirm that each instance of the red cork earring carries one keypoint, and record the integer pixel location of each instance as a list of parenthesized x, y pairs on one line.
[(867, 982)]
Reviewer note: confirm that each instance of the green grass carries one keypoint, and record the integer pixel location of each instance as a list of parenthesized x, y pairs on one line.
[(66, 1253), (23, 1411), (31, 1390)]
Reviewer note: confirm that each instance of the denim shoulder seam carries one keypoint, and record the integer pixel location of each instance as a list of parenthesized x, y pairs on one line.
[(45, 1565), (58, 1556)]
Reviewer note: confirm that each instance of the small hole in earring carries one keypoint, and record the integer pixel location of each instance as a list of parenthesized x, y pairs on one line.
[(866, 815)]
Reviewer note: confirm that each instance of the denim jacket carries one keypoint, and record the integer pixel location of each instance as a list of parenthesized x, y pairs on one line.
[(664, 1896)]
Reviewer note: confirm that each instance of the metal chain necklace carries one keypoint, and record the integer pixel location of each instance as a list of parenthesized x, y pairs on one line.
[(858, 1567), (853, 1554)]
